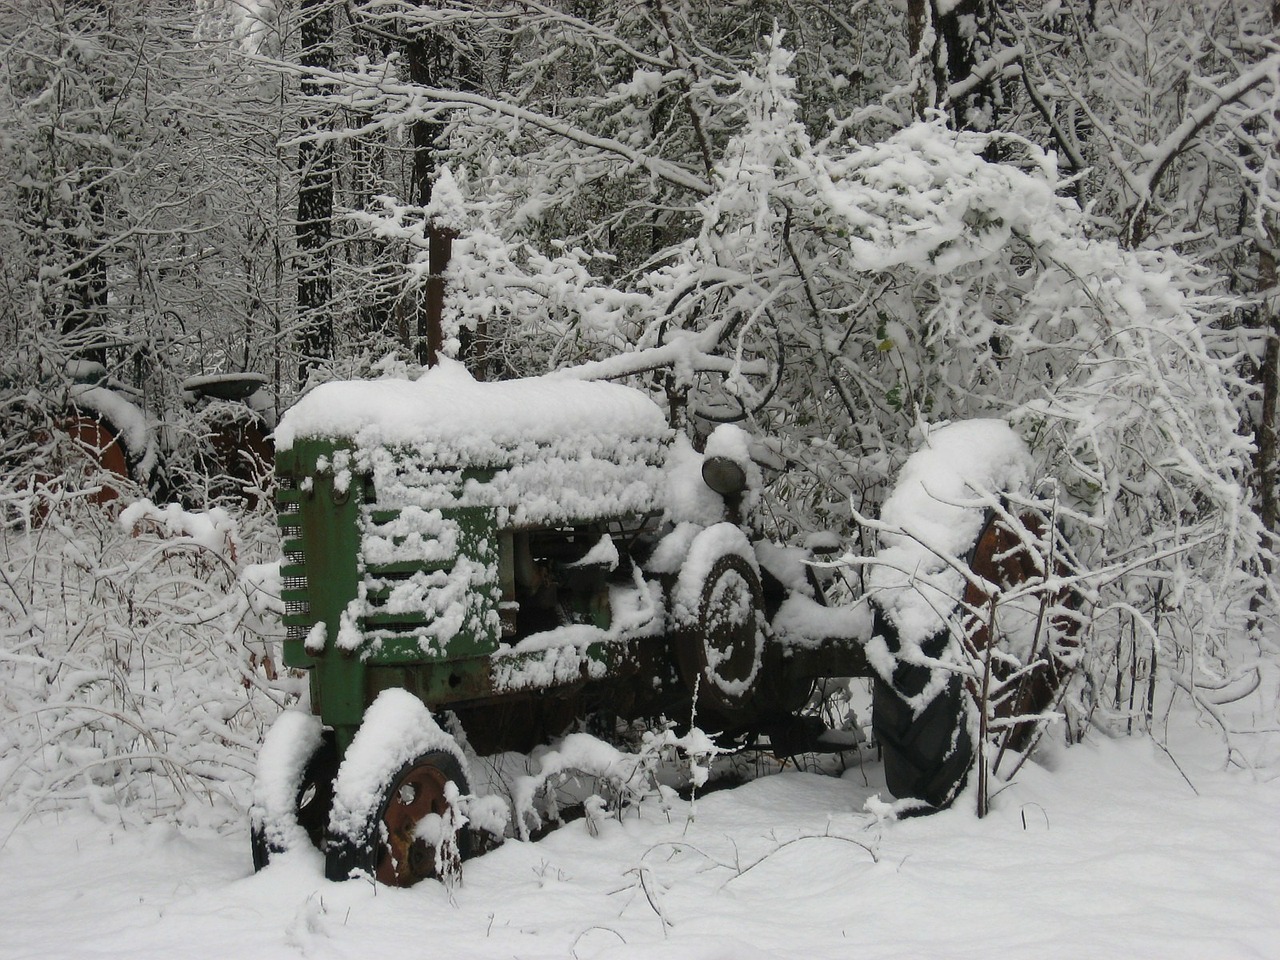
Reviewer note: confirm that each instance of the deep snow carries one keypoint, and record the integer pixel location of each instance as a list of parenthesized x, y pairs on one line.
[(1109, 854)]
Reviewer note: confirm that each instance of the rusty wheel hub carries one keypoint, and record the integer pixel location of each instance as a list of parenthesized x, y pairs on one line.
[(415, 820)]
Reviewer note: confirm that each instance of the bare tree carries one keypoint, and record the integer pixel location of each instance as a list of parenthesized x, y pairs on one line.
[(314, 229)]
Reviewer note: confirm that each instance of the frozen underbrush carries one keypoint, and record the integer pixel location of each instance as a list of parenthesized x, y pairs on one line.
[(137, 675), (138, 663), (1102, 850)]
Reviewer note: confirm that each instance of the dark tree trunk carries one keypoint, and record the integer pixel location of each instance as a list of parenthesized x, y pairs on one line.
[(1266, 468), (425, 55), (85, 309), (314, 230), (1268, 471), (949, 47), (433, 61), (426, 67)]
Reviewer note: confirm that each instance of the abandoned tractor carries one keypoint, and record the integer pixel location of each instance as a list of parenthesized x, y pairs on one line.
[(519, 554), (95, 438)]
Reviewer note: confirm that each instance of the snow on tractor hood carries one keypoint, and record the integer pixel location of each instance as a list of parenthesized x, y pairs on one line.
[(446, 407), (553, 450)]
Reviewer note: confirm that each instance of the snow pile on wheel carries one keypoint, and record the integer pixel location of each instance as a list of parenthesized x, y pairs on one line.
[(932, 519), (707, 547), (397, 728), (130, 422), (292, 740)]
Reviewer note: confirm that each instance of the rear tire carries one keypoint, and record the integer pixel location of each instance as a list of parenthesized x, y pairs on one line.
[(926, 757)]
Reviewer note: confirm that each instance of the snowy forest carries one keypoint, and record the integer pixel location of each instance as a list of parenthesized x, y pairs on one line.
[(841, 227)]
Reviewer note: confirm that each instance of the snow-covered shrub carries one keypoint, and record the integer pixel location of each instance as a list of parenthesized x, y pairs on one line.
[(912, 282), (625, 778), (137, 663)]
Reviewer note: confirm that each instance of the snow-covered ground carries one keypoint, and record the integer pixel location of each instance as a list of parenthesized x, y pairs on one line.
[(1106, 849), (135, 694)]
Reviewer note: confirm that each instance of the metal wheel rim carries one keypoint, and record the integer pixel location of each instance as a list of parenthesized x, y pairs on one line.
[(730, 642), (404, 859), (705, 640)]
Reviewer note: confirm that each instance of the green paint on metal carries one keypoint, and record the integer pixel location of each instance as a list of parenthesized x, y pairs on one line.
[(326, 515), (324, 521), (435, 684)]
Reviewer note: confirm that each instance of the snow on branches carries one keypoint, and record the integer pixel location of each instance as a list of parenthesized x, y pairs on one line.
[(915, 281), (855, 292)]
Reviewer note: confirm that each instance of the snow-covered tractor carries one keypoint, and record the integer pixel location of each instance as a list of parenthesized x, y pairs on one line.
[(518, 554), (92, 437)]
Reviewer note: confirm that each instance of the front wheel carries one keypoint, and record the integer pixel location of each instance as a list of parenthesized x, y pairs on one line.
[(395, 813), (719, 606), (293, 789), (414, 835)]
